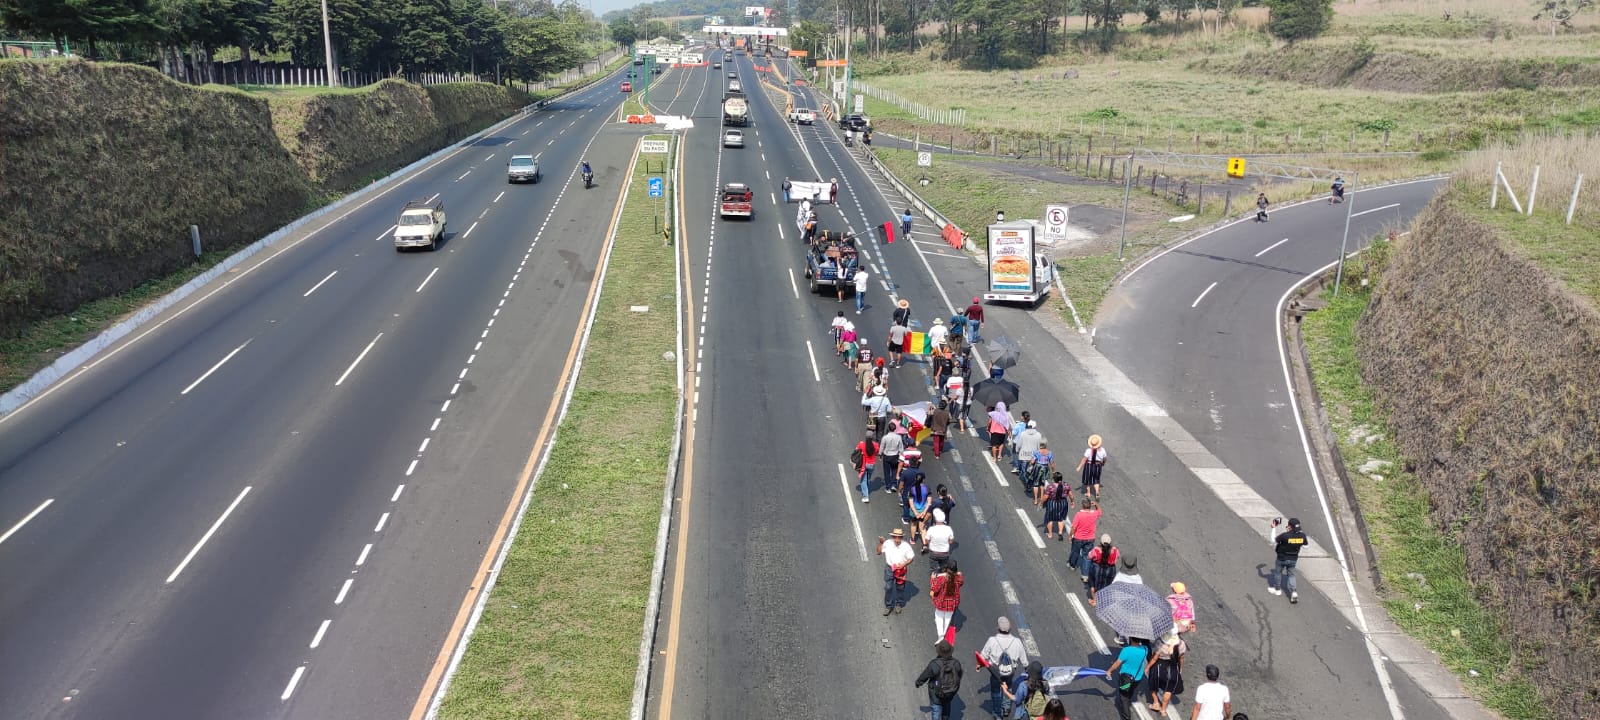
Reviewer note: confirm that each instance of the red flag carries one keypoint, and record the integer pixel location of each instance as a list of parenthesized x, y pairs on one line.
[(888, 232), (982, 663), (950, 635)]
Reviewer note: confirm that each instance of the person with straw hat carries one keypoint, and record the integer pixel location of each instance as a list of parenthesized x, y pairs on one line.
[(1094, 458), (897, 556)]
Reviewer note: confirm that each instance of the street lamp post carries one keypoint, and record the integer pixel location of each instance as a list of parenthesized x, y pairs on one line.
[(327, 48), (1349, 204)]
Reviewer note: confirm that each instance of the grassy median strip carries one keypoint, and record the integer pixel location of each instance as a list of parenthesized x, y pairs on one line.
[(559, 636), (1425, 573)]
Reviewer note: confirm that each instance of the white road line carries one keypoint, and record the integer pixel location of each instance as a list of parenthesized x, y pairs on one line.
[(321, 630), (811, 354), (1088, 624), (213, 369), (999, 474), (780, 232), (319, 284), (412, 468), (357, 361), (203, 538), (1027, 522), (774, 196), (362, 559), (463, 175), (431, 199), (397, 490), (386, 233), (424, 446), (343, 590), (497, 197), (1386, 207), (850, 503), (1202, 296), (792, 285), (491, 157), (426, 279), (468, 233), (382, 520), (1269, 247), (293, 681), (24, 521)]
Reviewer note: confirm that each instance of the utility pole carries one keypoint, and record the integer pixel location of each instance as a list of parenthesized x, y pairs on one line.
[(327, 48)]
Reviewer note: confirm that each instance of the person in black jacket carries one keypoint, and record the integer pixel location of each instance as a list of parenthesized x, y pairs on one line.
[(942, 665), (1287, 544)]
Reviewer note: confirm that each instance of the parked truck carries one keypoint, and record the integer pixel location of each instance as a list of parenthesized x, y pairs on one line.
[(1019, 268), (735, 110)]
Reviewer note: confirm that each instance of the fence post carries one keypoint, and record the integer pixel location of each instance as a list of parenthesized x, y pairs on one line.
[(1227, 204), (1573, 203), (1200, 198)]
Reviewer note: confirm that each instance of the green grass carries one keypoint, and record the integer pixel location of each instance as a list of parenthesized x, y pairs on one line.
[(1571, 253), (42, 341), (559, 636), (1426, 588)]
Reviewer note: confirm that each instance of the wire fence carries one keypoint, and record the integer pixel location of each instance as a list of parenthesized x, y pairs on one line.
[(951, 116)]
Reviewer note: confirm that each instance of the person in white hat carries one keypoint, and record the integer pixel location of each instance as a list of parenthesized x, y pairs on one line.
[(878, 407), (939, 538), (938, 335)]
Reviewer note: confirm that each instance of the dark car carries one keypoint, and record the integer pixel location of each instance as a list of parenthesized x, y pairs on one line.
[(853, 122)]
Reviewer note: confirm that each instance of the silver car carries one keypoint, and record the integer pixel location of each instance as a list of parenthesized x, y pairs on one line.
[(522, 168), (733, 138)]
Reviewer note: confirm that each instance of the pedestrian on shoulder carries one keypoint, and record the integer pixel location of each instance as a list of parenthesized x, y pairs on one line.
[(944, 589), (1287, 543), (897, 556), (943, 678), (1004, 656), (905, 223)]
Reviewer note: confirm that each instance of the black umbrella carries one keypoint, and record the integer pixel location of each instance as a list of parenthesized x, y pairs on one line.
[(993, 392), (1006, 352)]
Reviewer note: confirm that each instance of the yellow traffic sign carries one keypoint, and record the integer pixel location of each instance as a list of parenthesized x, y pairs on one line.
[(1236, 167)]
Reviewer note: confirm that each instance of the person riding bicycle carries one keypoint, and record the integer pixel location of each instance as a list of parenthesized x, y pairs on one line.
[(1338, 191)]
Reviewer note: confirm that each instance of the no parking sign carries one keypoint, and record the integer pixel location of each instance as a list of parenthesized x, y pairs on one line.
[(1055, 224)]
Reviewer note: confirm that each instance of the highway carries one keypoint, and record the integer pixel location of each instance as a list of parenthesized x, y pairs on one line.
[(271, 502), (774, 598)]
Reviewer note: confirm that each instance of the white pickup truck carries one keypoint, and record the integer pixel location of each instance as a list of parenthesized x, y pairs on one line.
[(421, 224), (802, 116)]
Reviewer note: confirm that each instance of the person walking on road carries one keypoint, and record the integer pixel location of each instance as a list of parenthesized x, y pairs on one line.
[(897, 556), (836, 328), (938, 336), (1025, 442), (889, 457), (833, 191), (862, 276), (1182, 608), (1165, 670), (943, 501), (1212, 701), (939, 427), (787, 186), (1083, 529), (1261, 207), (944, 589), (902, 312), (943, 678), (905, 223), (939, 536), (1287, 544), (974, 320), (919, 501), (1101, 565), (1029, 694), (1126, 673), (1054, 710), (864, 457), (911, 476), (878, 407), (1057, 503), (999, 424), (897, 342), (1093, 460), (1004, 655)]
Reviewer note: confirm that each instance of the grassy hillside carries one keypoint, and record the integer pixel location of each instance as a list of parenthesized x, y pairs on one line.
[(1480, 345), (106, 166)]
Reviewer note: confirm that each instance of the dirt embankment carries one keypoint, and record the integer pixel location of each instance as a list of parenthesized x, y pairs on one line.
[(103, 168), (1362, 65), (1488, 367)]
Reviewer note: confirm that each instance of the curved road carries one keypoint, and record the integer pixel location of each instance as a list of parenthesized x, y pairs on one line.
[(271, 502)]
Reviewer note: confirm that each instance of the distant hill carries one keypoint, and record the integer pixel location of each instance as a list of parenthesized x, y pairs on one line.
[(731, 10)]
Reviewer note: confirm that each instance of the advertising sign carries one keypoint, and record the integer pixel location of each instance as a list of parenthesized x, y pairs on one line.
[(1055, 224), (1011, 258)]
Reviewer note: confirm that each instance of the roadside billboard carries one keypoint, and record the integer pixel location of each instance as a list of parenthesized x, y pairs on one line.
[(1011, 258)]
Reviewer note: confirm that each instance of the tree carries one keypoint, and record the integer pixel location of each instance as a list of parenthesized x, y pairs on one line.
[(1107, 16), (1294, 20), (623, 31)]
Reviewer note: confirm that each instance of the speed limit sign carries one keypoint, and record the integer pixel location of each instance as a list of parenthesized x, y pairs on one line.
[(1055, 223)]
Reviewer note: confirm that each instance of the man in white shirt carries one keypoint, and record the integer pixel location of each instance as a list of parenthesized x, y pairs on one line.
[(1211, 700), (862, 276), (897, 556), (938, 335), (939, 538)]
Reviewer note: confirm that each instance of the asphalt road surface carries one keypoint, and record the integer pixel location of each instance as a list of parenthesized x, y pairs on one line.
[(272, 502), (778, 608)]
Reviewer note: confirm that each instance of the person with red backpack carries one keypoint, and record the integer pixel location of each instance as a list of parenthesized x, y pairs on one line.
[(864, 457), (943, 678), (1101, 565)]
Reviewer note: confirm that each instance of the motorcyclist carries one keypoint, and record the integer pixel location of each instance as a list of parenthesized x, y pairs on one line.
[(1338, 191), (587, 172)]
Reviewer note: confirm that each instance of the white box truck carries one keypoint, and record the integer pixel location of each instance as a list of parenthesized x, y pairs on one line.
[(1019, 269)]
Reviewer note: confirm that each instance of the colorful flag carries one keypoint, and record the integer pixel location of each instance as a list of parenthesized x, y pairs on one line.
[(915, 418)]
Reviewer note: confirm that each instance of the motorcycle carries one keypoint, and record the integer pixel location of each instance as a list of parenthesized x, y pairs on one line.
[(588, 179)]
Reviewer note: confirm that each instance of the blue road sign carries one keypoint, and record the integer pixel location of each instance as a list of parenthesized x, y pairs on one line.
[(655, 187)]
